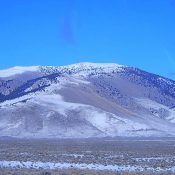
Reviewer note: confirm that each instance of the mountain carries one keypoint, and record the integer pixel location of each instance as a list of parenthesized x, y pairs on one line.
[(85, 100)]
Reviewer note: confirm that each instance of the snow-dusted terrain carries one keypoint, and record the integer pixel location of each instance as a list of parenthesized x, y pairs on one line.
[(83, 166), (146, 155), (17, 70), (85, 100)]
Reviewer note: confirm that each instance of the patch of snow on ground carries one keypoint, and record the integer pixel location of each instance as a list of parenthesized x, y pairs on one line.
[(53, 166)]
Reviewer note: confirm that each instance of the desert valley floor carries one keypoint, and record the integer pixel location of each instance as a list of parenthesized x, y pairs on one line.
[(87, 156)]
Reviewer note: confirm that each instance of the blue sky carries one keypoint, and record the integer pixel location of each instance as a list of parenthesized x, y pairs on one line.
[(139, 33)]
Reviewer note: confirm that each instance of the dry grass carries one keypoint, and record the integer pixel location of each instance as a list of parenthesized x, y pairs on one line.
[(70, 172)]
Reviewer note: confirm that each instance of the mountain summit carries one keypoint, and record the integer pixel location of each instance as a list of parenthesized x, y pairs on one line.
[(85, 100)]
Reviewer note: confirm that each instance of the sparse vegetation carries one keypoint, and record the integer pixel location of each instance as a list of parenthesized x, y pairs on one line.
[(71, 172), (154, 153)]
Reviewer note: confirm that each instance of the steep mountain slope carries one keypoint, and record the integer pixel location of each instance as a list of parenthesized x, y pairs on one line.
[(85, 100)]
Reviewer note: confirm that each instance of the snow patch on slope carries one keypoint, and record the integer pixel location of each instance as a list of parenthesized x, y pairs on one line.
[(17, 70), (50, 90), (56, 103), (157, 109)]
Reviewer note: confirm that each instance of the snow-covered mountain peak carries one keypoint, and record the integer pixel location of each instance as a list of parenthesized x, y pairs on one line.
[(83, 68), (88, 65)]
